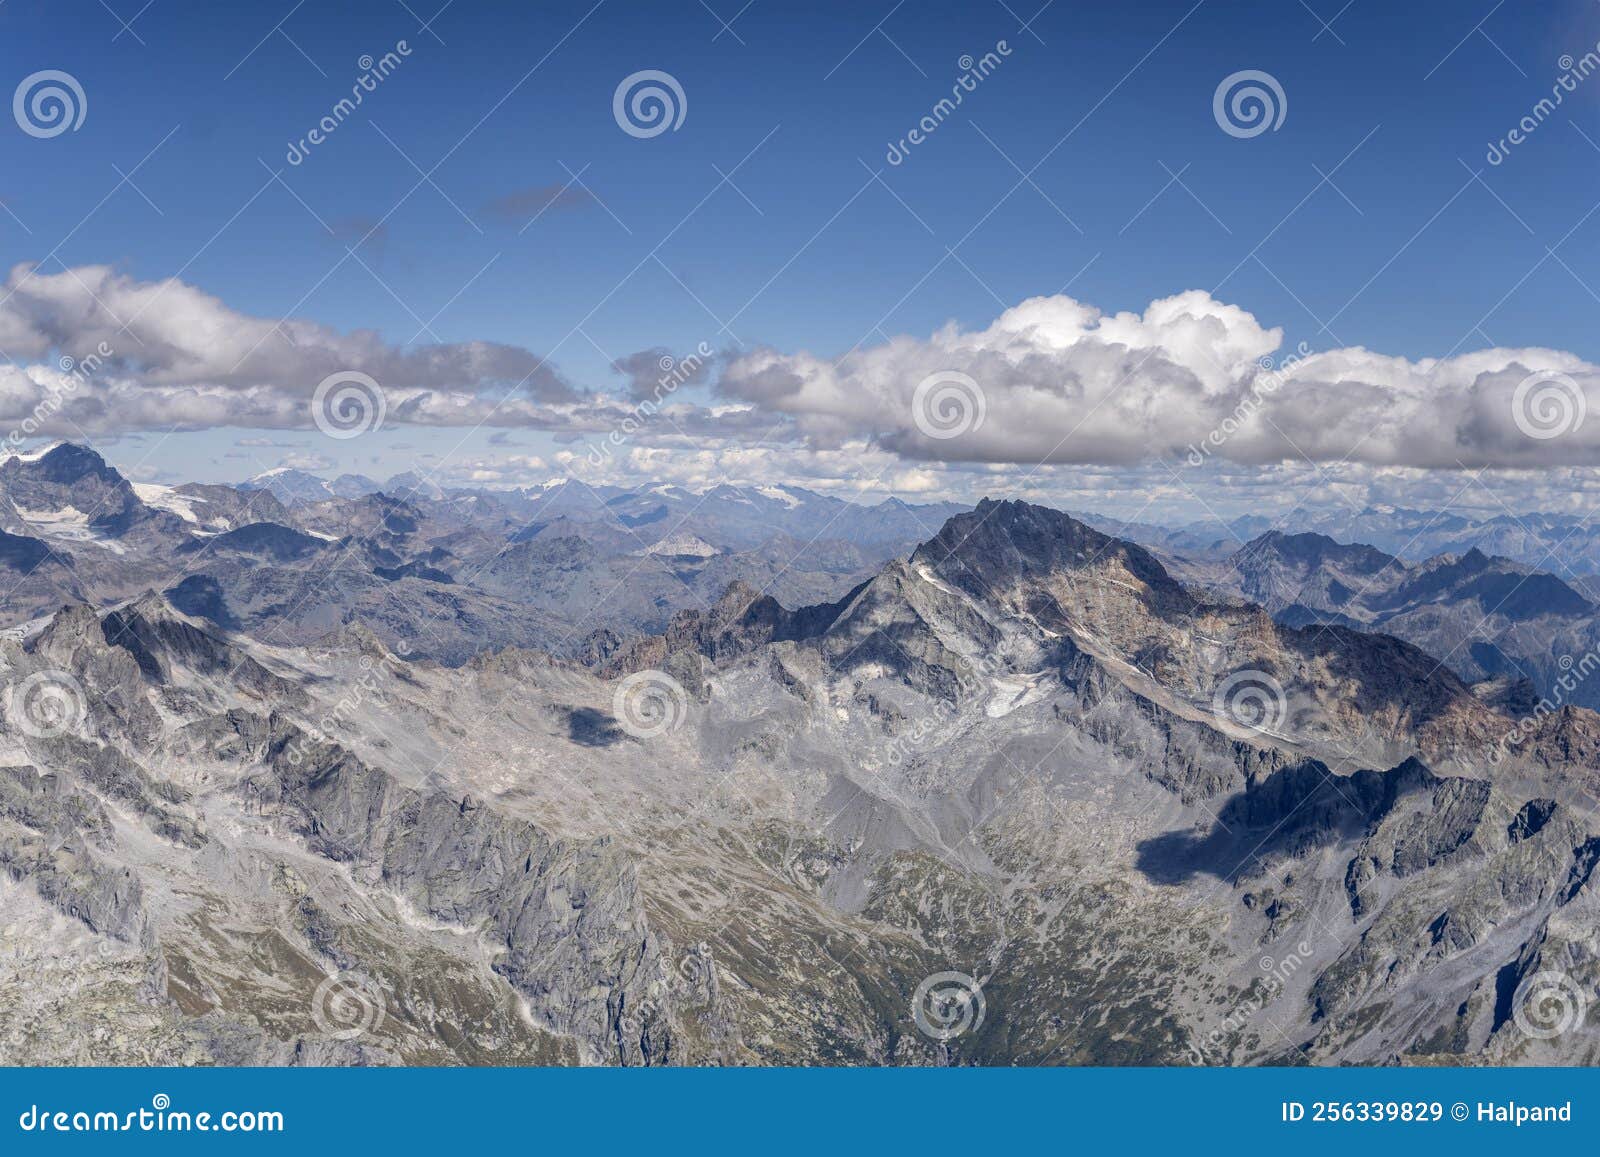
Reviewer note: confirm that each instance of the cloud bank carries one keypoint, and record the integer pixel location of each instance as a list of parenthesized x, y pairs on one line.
[(1056, 381), (1052, 381), (129, 355)]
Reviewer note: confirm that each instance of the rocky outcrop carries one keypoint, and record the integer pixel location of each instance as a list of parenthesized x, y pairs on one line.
[(568, 917)]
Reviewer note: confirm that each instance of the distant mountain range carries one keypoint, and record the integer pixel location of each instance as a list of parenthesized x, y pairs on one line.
[(288, 555), (1482, 617), (1559, 543)]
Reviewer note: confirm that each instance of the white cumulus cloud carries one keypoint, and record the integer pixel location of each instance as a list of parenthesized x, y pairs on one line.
[(1057, 381)]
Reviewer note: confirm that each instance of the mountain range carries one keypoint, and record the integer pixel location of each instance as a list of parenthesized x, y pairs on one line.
[(1561, 543), (1485, 618), (289, 557), (1014, 791)]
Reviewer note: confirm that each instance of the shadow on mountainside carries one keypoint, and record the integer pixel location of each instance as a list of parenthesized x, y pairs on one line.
[(1297, 809)]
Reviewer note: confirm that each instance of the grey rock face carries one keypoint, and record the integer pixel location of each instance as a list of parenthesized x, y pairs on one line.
[(575, 938)]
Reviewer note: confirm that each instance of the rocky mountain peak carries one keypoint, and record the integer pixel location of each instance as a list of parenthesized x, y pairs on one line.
[(75, 477), (1310, 549), (157, 635), (1023, 554), (69, 627), (64, 465)]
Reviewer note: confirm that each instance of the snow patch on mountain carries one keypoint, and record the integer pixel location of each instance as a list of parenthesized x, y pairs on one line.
[(681, 546), (165, 498), (778, 495)]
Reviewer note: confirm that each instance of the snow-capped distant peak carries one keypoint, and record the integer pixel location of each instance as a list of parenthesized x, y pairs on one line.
[(290, 484)]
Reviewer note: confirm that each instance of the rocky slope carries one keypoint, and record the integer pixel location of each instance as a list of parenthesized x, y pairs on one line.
[(1021, 797)]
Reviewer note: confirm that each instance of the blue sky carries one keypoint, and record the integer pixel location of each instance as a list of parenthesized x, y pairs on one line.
[(1403, 251)]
